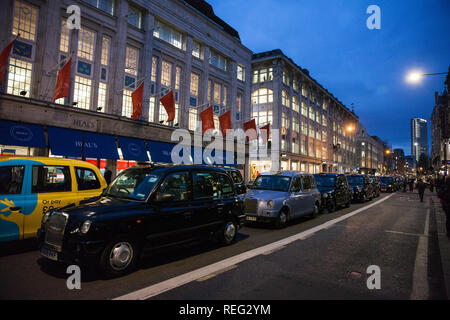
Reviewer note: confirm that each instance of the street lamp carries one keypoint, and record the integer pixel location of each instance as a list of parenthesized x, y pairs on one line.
[(415, 76)]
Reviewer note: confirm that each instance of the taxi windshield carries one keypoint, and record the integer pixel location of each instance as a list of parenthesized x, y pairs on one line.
[(276, 183), (133, 184), (355, 180), (324, 181)]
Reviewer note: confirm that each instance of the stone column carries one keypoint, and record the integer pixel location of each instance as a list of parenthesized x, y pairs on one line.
[(185, 87), (96, 75), (149, 25)]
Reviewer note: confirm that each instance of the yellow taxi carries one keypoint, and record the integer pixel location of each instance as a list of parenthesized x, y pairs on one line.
[(31, 186)]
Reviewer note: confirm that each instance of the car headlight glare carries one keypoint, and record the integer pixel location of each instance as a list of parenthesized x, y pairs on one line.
[(85, 226), (270, 203)]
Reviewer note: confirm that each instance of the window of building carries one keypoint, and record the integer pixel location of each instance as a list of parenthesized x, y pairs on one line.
[(104, 5), (304, 109), (195, 78), (217, 92), (304, 128), (134, 16), (65, 37), (218, 61), (151, 109), (154, 68), (197, 49), (86, 44), (265, 75), (240, 72), (285, 120), (168, 34), (318, 117), (102, 97), (324, 120), (304, 91), (311, 113), (131, 60), (19, 76), (82, 92), (25, 20), (238, 106), (262, 115), (209, 90), (285, 98), (295, 124), (177, 77), (105, 50), (193, 118), (127, 103), (262, 95), (225, 96), (295, 84), (295, 104), (286, 79)]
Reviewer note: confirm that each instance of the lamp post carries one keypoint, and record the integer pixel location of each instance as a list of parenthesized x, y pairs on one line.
[(416, 76)]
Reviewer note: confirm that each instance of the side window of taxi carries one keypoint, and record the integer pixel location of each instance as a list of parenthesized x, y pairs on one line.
[(205, 186), (11, 179), (50, 179), (306, 182), (177, 185), (226, 186), (86, 179)]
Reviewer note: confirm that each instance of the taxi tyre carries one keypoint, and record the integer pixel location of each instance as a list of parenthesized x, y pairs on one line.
[(331, 207), (126, 246), (226, 234), (315, 212), (282, 219)]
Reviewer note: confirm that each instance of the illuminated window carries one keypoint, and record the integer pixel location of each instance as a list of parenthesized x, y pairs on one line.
[(285, 98), (19, 76), (166, 74), (193, 118), (102, 97), (304, 128), (240, 72), (104, 5), (65, 37), (304, 91), (86, 44), (304, 109), (25, 20), (127, 104), (238, 106), (262, 75), (324, 120), (284, 120), (163, 116), (295, 104), (154, 68), (82, 92), (134, 16), (225, 96), (168, 34), (262, 95), (131, 60), (295, 125), (311, 113), (217, 92), (209, 90), (194, 84), (318, 117), (105, 50), (262, 115), (286, 79), (151, 110)]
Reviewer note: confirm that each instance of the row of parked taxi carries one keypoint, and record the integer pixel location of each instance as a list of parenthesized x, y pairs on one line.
[(77, 218)]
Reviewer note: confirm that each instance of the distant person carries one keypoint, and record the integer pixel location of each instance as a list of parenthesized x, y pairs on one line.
[(421, 186), (405, 183), (107, 175), (431, 185), (411, 184)]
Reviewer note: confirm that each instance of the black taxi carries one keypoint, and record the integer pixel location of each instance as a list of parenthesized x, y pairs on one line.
[(334, 190), (362, 187), (144, 208)]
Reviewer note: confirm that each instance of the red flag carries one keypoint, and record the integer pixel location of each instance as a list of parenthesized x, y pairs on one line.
[(136, 98), (4, 60), (225, 122), (252, 135), (63, 81), (207, 119), (168, 102), (265, 132)]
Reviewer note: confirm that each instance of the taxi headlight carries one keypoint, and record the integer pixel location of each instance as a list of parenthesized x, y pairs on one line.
[(85, 226), (325, 195), (270, 203)]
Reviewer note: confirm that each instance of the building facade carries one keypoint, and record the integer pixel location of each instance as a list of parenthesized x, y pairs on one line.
[(419, 138), (369, 152), (178, 45), (314, 131), (440, 131)]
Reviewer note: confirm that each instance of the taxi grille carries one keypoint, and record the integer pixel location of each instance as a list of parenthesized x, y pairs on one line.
[(54, 233), (251, 205)]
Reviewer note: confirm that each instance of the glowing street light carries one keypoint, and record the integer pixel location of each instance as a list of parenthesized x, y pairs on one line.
[(415, 76)]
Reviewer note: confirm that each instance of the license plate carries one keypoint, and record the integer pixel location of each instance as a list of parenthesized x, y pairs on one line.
[(250, 218), (52, 255)]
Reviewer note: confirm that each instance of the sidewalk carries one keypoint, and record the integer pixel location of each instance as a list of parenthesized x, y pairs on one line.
[(443, 240)]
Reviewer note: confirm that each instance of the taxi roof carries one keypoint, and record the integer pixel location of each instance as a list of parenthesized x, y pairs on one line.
[(50, 161)]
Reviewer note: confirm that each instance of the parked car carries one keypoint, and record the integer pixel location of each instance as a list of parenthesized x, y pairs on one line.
[(387, 184), (30, 186), (239, 183), (144, 208), (362, 187), (334, 189), (278, 198), (375, 180)]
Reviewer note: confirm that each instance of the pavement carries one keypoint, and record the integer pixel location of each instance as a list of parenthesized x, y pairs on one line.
[(443, 240)]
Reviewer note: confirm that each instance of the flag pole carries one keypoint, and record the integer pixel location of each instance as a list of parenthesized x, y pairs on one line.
[(62, 61), (129, 86)]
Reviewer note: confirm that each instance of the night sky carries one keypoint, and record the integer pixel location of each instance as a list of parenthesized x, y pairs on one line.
[(358, 65)]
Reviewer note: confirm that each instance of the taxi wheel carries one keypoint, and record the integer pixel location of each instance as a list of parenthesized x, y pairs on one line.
[(315, 212), (282, 219), (331, 206), (119, 258), (228, 233)]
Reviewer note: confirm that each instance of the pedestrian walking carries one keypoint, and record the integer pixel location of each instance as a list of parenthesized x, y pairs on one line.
[(107, 175), (431, 185), (411, 184), (421, 187), (404, 185)]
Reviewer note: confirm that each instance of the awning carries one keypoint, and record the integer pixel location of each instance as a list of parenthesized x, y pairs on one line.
[(160, 151), (22, 134), (133, 149), (68, 142)]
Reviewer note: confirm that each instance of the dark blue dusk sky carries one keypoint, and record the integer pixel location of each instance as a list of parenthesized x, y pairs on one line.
[(358, 65)]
